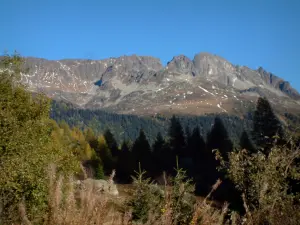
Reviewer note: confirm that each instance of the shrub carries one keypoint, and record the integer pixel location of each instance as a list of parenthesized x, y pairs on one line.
[(263, 179), (174, 203)]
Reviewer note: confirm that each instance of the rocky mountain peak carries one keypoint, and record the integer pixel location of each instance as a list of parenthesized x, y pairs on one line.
[(140, 84), (278, 83), (181, 64), (135, 62), (268, 77), (211, 64)]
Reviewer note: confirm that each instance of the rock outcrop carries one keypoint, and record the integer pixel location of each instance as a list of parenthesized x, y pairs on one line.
[(98, 186)]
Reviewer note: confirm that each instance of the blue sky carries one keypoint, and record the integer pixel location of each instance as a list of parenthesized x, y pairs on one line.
[(246, 32)]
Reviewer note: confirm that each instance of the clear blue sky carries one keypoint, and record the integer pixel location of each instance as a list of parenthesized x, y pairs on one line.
[(246, 32)]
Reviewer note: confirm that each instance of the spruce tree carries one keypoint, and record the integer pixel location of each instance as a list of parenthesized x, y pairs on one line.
[(157, 151), (164, 158), (196, 144), (194, 153), (99, 172), (245, 143), (125, 164), (142, 153), (187, 135), (198, 152), (218, 139), (176, 137), (266, 126), (111, 142)]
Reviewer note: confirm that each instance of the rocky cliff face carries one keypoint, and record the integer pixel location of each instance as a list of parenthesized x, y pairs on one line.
[(142, 85)]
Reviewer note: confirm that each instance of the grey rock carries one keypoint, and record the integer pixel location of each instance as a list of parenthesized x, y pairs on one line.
[(141, 85), (181, 65), (98, 186)]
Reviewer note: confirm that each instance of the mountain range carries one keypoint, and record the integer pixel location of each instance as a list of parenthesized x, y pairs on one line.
[(141, 85)]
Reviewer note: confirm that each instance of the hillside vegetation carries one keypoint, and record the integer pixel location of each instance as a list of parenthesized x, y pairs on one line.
[(127, 127)]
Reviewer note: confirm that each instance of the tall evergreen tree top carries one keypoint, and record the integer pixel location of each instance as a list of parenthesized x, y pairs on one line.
[(159, 142), (218, 138), (245, 143), (141, 152), (176, 135), (124, 147), (196, 144), (141, 144), (265, 125), (187, 133), (111, 142)]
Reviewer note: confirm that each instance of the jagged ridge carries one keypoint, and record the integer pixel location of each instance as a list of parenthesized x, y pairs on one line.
[(142, 85)]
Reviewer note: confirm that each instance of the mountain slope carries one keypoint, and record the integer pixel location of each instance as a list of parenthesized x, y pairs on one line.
[(142, 85)]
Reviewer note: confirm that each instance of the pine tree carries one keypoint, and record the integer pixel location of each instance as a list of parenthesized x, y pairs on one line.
[(111, 142), (164, 158), (197, 147), (194, 145), (125, 164), (176, 137), (142, 153), (201, 170), (218, 139), (99, 172), (157, 150), (266, 126), (187, 135), (245, 143)]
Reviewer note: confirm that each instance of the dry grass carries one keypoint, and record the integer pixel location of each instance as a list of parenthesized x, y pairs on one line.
[(67, 206)]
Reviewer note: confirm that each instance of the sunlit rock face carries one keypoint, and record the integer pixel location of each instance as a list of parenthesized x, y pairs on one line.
[(142, 85)]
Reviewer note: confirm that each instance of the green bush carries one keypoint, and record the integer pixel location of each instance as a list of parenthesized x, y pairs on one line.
[(146, 197), (152, 203), (263, 180)]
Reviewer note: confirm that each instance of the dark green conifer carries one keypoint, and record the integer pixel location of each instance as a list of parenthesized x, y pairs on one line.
[(218, 139), (266, 126), (111, 142), (125, 164), (142, 153), (176, 135), (245, 143)]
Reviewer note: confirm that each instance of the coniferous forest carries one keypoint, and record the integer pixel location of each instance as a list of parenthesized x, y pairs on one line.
[(127, 127), (35, 133)]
